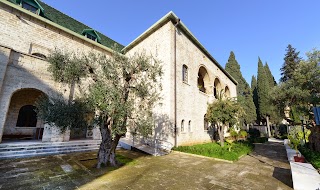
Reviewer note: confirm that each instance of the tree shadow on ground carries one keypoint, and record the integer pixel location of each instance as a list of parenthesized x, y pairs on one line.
[(270, 151), (283, 175)]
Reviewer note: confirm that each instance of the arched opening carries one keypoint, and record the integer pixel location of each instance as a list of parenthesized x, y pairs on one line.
[(189, 126), (182, 126), (203, 80), (185, 73), (21, 121), (227, 92), (216, 87), (205, 123), (27, 116)]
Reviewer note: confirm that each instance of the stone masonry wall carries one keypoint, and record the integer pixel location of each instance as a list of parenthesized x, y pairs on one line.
[(159, 44)]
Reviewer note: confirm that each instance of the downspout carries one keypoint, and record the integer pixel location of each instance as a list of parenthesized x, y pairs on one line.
[(175, 81)]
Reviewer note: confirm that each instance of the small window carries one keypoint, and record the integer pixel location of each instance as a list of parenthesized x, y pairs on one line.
[(205, 123), (91, 34), (189, 126), (182, 126), (185, 73), (91, 37), (29, 7), (27, 116)]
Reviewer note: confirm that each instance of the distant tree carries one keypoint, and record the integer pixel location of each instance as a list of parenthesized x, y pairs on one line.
[(272, 82), (263, 95), (255, 95), (224, 112), (291, 62), (302, 89), (244, 94)]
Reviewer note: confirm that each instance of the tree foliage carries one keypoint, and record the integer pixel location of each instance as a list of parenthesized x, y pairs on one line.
[(123, 91), (244, 93), (291, 62), (301, 90), (223, 112)]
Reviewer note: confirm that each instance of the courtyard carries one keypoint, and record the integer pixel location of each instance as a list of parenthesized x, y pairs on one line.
[(265, 168)]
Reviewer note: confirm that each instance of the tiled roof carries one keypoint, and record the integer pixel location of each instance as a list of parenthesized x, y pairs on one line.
[(66, 21)]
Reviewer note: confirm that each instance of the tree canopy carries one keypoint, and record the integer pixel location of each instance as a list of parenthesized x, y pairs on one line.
[(244, 93)]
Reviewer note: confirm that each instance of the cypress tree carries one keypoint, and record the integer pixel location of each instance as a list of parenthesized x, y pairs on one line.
[(255, 94), (263, 94), (291, 61), (270, 77), (244, 94)]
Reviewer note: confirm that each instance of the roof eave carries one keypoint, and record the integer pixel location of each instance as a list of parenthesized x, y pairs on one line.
[(171, 16), (56, 25)]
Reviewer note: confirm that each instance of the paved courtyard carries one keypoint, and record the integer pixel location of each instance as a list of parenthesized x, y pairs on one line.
[(266, 168)]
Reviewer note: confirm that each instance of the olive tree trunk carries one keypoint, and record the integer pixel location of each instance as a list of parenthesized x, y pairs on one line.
[(221, 134)]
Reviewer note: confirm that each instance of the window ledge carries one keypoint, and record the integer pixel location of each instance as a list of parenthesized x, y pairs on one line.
[(184, 82)]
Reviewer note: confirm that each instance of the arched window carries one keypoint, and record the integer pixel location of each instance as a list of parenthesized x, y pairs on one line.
[(182, 126), (40, 55), (227, 92), (185, 73), (189, 126), (205, 123), (216, 87), (27, 116), (203, 79)]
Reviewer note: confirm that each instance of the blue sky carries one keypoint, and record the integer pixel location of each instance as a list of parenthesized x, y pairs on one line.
[(250, 28)]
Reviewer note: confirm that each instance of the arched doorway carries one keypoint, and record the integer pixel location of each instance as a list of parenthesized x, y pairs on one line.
[(21, 121), (203, 80)]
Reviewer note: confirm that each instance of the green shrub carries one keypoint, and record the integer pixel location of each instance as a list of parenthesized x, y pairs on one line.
[(311, 156), (215, 150), (243, 134)]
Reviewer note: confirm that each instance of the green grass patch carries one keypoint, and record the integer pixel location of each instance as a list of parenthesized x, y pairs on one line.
[(216, 151), (312, 156)]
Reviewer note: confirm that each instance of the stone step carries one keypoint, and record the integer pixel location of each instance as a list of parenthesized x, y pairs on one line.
[(18, 144), (31, 147), (47, 149), (25, 155)]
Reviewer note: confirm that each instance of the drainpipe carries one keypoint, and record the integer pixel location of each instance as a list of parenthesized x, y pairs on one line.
[(175, 81)]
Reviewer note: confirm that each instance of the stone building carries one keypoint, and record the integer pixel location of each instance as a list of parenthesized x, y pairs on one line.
[(30, 29)]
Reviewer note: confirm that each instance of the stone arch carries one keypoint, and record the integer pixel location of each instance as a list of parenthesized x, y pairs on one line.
[(227, 92), (217, 87), (203, 80), (16, 125)]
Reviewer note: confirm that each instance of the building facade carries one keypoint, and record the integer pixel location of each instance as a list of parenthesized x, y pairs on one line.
[(30, 30)]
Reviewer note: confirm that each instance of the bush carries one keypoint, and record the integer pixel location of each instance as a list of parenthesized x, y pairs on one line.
[(312, 156), (243, 134), (216, 151), (254, 133)]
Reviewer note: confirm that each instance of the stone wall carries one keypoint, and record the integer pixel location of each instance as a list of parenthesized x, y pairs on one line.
[(191, 103)]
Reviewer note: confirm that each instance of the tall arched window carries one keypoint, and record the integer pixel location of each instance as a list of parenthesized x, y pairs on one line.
[(203, 79), (189, 126), (185, 73), (27, 116), (182, 126), (216, 87), (205, 123), (227, 92)]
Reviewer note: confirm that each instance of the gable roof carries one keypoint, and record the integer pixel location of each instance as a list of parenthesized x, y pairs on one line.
[(172, 17), (68, 22)]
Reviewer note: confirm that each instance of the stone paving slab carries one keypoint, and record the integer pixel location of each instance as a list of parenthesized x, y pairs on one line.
[(266, 168)]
